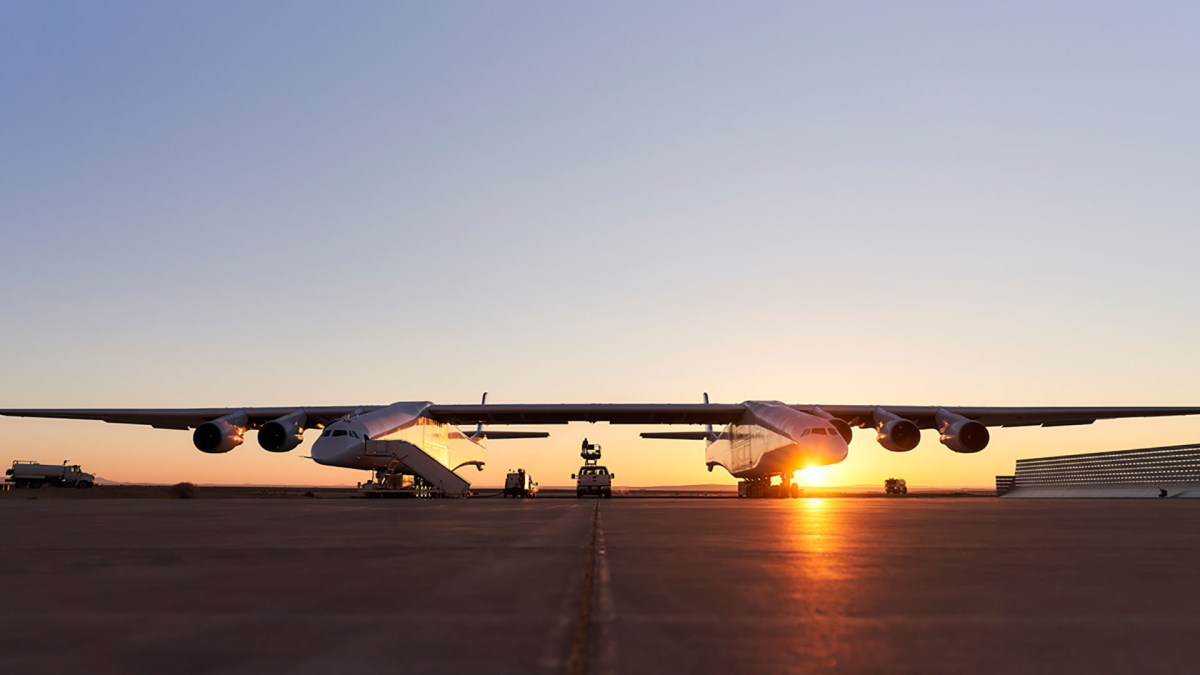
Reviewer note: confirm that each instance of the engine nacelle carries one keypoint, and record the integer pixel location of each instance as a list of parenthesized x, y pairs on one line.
[(896, 433), (221, 435), (283, 434), (843, 429), (961, 434)]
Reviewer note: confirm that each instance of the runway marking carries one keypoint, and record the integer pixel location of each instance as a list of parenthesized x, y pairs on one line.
[(594, 648), (607, 653), (577, 661)]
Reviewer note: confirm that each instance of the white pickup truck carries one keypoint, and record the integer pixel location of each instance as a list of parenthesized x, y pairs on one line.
[(593, 480), (34, 475)]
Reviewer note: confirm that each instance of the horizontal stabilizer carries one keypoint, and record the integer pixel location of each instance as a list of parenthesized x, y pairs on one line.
[(678, 435), (508, 435)]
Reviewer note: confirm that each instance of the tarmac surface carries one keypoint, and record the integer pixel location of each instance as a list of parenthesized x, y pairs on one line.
[(586, 586)]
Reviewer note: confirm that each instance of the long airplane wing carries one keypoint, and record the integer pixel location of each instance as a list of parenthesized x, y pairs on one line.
[(924, 416), (190, 418), (614, 413), (551, 413)]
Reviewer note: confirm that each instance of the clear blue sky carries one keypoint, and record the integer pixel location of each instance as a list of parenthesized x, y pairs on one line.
[(230, 203)]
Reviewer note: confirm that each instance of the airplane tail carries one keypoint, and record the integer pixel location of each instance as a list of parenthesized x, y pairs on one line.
[(479, 426), (479, 436), (710, 435)]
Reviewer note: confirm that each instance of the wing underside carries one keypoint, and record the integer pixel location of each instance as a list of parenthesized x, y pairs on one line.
[(924, 416), (190, 418), (613, 413)]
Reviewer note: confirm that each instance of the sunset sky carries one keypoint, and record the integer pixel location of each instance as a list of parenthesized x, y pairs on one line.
[(314, 203)]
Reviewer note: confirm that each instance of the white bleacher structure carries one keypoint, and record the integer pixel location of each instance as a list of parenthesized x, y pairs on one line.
[(1166, 472)]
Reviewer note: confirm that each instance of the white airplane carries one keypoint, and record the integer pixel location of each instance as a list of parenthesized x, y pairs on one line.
[(760, 439)]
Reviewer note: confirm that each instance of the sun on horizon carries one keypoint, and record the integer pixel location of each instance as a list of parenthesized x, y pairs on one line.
[(812, 476)]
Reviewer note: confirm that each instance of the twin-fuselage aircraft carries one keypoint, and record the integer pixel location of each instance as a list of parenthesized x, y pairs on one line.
[(759, 440)]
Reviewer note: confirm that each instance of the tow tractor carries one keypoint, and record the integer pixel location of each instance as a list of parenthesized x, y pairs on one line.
[(592, 478)]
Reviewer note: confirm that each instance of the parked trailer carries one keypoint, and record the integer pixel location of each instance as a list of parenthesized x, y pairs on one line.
[(33, 475)]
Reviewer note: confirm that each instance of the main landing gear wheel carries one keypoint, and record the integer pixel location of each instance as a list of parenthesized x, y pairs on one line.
[(787, 488), (760, 488)]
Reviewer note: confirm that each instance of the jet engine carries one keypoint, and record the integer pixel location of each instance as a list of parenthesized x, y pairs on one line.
[(843, 429), (283, 434), (896, 433), (222, 434), (961, 434)]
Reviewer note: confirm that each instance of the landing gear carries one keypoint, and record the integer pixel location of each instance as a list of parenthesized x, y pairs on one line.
[(760, 488), (390, 482), (755, 488)]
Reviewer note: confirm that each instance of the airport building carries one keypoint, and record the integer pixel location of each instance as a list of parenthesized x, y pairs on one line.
[(1172, 471)]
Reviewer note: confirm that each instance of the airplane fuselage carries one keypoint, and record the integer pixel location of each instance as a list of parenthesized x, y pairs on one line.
[(344, 443), (775, 440)]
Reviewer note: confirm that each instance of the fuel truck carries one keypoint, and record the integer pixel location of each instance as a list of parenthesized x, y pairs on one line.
[(33, 475)]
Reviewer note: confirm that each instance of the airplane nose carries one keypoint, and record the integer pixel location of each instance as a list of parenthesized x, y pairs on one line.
[(333, 451), (838, 449), (320, 451)]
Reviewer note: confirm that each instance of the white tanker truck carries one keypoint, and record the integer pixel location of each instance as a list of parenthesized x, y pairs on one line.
[(34, 475)]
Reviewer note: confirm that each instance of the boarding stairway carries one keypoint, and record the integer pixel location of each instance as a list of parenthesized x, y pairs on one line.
[(408, 459)]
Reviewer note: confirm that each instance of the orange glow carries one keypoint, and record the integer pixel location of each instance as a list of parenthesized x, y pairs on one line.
[(816, 532), (811, 476)]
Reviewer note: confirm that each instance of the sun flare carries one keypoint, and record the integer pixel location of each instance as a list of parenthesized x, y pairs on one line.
[(811, 476)]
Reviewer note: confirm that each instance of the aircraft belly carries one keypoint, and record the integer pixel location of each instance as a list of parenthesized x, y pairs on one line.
[(778, 458)]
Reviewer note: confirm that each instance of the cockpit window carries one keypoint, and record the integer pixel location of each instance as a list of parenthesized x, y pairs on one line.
[(339, 432), (819, 432), (354, 434)]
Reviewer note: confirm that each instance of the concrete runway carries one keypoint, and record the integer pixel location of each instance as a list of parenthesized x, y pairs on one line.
[(619, 586)]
